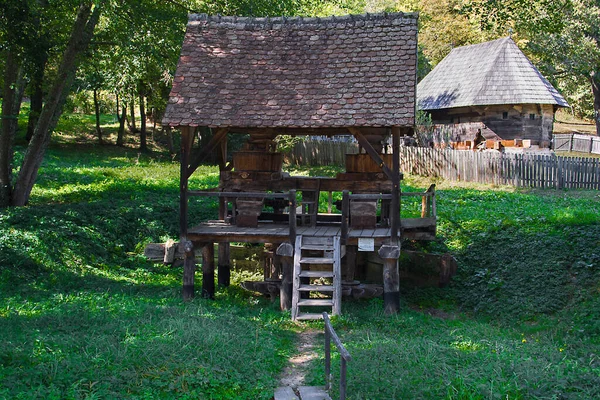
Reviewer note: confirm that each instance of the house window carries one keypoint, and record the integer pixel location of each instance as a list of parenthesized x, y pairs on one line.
[(531, 116), (505, 115)]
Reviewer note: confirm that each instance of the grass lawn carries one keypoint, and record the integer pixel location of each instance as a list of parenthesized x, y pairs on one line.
[(84, 315)]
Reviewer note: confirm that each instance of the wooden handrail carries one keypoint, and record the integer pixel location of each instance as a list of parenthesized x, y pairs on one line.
[(344, 356), (239, 195), (371, 196)]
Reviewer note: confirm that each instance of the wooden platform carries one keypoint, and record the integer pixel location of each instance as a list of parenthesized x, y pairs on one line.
[(221, 232)]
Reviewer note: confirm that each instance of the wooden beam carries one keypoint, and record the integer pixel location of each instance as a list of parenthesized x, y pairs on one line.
[(286, 252), (391, 278), (198, 157), (187, 139), (189, 270), (208, 271), (395, 206), (372, 152)]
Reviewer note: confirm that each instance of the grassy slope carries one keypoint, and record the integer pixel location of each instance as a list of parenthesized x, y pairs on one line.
[(521, 319), (83, 315)]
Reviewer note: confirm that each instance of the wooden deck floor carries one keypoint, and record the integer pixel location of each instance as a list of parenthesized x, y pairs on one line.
[(219, 231)]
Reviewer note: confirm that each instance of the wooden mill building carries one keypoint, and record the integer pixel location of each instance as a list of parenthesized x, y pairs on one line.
[(264, 77), (492, 88)]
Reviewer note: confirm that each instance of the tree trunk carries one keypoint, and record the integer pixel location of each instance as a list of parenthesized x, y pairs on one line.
[(81, 35), (97, 111), (121, 117), (170, 140), (596, 91), (11, 105), (132, 127), (143, 142), (37, 92)]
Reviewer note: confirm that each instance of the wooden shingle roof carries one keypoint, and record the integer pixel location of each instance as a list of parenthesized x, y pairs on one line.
[(489, 73), (296, 72)]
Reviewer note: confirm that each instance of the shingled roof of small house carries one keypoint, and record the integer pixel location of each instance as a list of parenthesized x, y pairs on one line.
[(489, 73), (296, 72)]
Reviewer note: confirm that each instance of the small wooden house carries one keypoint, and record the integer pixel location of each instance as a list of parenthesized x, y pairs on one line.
[(264, 77), (492, 88)]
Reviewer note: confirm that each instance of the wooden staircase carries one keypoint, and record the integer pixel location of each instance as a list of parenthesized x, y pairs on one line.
[(317, 276)]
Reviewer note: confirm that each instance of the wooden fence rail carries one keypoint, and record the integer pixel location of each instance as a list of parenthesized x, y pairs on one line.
[(321, 152)]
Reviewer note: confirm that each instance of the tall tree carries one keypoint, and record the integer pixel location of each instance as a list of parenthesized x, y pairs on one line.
[(88, 14)]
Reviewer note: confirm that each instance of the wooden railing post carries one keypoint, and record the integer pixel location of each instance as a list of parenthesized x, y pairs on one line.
[(344, 357), (328, 376), (292, 215), (345, 215)]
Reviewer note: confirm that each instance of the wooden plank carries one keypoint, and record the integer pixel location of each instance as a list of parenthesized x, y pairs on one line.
[(337, 277), (296, 279), (285, 393)]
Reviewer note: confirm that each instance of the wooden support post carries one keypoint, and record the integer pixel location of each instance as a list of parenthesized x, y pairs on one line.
[(208, 271), (224, 262), (187, 138), (391, 278), (292, 215), (350, 263), (224, 267), (395, 212), (345, 215), (286, 252), (189, 270)]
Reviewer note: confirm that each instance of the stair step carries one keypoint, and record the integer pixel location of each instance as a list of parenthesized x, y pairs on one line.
[(321, 247), (318, 240), (321, 288), (316, 274), (315, 302), (316, 260), (309, 316)]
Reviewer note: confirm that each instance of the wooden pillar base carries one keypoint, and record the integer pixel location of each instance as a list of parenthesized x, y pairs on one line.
[(286, 253), (208, 271), (391, 278), (224, 267), (189, 270)]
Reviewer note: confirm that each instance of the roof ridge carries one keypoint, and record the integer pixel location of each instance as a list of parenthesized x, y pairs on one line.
[(350, 18)]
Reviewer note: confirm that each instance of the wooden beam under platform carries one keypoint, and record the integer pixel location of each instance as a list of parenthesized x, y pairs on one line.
[(200, 155)]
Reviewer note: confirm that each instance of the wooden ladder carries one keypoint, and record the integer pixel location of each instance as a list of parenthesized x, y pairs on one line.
[(317, 273)]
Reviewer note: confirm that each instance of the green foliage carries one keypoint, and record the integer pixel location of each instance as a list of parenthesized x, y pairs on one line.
[(84, 315)]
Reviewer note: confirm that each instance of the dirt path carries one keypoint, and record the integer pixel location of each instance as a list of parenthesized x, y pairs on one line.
[(294, 374)]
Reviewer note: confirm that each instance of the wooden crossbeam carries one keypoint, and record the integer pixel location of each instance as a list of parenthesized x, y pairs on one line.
[(219, 135), (373, 153)]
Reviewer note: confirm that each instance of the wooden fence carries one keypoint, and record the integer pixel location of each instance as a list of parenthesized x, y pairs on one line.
[(321, 152), (521, 170), (578, 143)]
